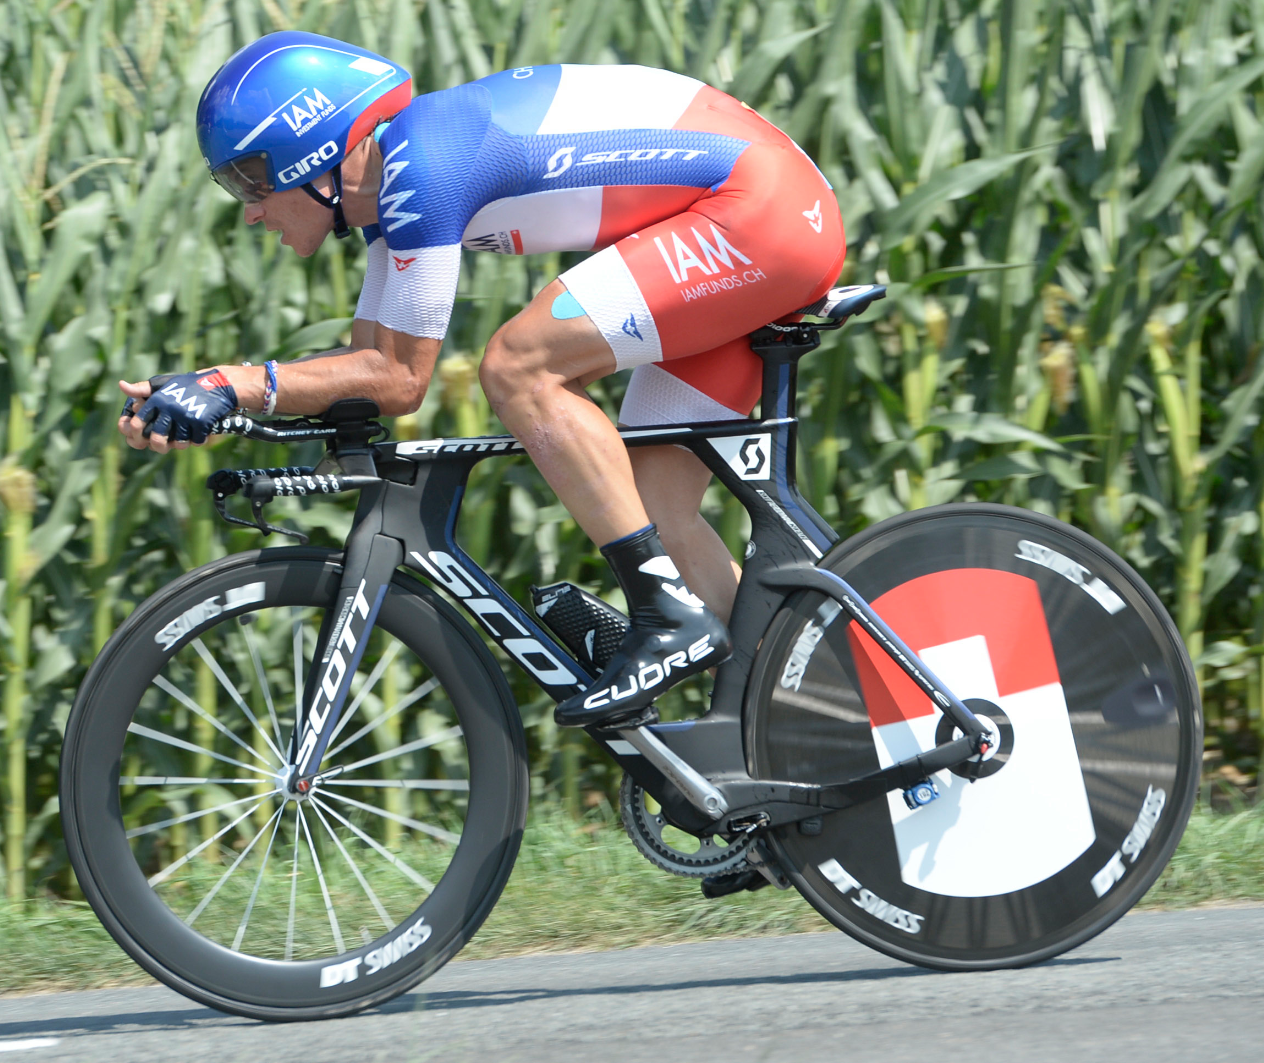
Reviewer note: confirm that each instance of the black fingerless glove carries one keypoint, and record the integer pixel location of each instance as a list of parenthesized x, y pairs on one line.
[(186, 406)]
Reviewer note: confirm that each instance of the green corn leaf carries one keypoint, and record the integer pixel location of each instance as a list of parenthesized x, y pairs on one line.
[(1210, 111), (1242, 405), (917, 210), (988, 428), (759, 67), (78, 230), (1019, 464), (319, 336)]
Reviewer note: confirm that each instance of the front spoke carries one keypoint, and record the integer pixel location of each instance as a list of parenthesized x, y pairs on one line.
[(180, 743), (403, 703), (289, 926), (426, 828), (369, 684), (231, 688), (386, 854), (252, 645), (171, 868), (387, 921), (320, 877), (407, 747), (182, 780), (402, 784), (191, 918), (164, 684), (150, 828), (298, 667), (254, 893)]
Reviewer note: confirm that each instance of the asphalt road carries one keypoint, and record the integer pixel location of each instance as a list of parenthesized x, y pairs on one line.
[(1185, 986)]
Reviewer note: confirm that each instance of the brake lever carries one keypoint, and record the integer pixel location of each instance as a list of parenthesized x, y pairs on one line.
[(256, 507), (258, 524), (225, 482)]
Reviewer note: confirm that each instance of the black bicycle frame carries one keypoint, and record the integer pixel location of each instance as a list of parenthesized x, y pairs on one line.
[(410, 501)]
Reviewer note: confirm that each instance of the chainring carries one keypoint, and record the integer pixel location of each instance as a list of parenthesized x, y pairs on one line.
[(645, 828)]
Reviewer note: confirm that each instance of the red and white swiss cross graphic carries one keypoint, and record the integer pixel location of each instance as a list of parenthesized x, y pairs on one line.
[(982, 632)]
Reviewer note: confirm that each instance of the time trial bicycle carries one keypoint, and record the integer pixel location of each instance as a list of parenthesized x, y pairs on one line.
[(294, 782)]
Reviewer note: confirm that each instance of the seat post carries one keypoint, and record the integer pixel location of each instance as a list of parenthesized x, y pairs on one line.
[(781, 352)]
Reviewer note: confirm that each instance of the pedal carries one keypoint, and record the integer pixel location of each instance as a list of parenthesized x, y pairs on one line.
[(714, 886), (587, 626), (645, 718), (765, 864)]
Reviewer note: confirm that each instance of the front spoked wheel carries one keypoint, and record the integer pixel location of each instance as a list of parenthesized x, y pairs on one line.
[(203, 863), (1086, 686)]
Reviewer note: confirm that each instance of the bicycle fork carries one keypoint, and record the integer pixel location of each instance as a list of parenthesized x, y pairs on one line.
[(370, 560)]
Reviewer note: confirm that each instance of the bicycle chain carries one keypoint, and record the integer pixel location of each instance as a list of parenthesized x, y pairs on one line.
[(645, 828)]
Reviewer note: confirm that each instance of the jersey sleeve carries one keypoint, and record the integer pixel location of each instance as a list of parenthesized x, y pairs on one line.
[(374, 276), (435, 177), (419, 290)]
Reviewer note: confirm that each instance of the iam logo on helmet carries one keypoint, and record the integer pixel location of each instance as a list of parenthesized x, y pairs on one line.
[(982, 632), (301, 117)]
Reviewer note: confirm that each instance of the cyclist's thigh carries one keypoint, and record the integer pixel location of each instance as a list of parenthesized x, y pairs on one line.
[(721, 384), (686, 291)]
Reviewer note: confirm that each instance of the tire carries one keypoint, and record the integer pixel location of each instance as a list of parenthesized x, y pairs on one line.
[(281, 909), (1094, 700)]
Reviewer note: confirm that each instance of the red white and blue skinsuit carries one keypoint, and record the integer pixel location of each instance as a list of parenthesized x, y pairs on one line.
[(708, 220)]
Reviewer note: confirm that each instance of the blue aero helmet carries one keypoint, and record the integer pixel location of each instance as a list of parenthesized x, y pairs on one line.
[(288, 107)]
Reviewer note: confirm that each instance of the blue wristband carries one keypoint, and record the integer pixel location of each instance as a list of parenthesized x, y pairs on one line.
[(270, 387)]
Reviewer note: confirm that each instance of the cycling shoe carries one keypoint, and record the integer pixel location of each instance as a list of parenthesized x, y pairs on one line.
[(673, 636)]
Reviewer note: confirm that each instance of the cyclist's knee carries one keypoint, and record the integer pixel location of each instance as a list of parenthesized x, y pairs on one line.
[(508, 368)]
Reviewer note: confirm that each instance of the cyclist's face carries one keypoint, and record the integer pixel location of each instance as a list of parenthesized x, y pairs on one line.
[(302, 222)]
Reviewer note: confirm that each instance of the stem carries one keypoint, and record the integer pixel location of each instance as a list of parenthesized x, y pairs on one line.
[(18, 610), (1255, 682), (921, 371), (1189, 607), (104, 506)]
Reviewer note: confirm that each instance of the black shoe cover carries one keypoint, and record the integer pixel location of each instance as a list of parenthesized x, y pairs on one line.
[(673, 635)]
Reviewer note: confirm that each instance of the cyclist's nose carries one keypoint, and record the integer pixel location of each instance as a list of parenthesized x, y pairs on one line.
[(253, 213)]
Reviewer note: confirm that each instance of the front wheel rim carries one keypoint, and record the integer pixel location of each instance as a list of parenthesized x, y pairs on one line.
[(336, 936)]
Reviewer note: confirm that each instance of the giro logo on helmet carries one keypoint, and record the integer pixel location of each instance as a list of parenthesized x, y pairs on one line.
[(268, 98), (305, 165)]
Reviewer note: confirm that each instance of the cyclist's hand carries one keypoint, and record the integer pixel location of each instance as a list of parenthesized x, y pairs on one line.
[(177, 410)]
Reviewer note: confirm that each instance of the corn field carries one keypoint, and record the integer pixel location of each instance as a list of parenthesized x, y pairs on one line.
[(1063, 196)]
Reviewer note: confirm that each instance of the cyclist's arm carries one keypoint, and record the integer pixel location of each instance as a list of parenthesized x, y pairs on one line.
[(394, 372)]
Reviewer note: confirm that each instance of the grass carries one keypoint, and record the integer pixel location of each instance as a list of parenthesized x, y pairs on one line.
[(584, 887)]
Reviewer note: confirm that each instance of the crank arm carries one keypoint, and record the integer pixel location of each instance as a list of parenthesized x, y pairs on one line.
[(756, 804), (817, 579)]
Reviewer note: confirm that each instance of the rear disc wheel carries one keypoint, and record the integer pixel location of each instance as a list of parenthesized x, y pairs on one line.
[(1084, 681)]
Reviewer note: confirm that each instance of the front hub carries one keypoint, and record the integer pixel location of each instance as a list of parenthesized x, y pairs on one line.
[(293, 786)]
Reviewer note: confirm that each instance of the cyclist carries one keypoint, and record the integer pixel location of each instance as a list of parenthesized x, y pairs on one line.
[(707, 222)]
